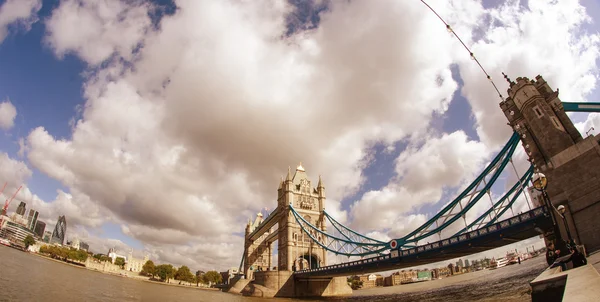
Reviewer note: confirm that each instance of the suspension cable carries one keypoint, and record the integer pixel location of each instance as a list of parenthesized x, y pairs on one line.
[(449, 28)]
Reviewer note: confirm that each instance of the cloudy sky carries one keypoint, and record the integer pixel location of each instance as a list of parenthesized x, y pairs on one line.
[(164, 125)]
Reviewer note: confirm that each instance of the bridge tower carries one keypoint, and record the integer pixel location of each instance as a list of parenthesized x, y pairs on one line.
[(557, 149), (295, 248)]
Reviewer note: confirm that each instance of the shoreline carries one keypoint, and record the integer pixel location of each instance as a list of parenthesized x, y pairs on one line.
[(122, 275)]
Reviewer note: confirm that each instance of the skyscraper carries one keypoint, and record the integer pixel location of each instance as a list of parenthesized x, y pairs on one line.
[(32, 219), (21, 208), (39, 229), (60, 230)]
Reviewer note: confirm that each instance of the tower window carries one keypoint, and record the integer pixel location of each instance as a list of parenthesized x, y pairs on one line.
[(537, 111)]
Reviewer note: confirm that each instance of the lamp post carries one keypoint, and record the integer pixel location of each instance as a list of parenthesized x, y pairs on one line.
[(561, 209), (540, 182)]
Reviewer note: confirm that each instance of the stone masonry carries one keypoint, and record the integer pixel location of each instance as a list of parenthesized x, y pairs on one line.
[(556, 148)]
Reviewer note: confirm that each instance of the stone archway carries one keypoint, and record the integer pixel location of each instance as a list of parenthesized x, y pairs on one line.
[(310, 261)]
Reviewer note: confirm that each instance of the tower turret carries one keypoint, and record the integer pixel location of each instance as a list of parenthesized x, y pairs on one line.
[(536, 113)]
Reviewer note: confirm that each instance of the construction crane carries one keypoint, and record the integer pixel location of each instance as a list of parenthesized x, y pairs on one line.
[(8, 201), (3, 188)]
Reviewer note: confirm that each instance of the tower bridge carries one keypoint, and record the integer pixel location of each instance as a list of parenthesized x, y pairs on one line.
[(554, 147)]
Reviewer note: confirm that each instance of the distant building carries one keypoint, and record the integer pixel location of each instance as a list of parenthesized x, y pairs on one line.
[(112, 254), (47, 236), (467, 264), (21, 208), (32, 219), (84, 246), (134, 264), (60, 231), (40, 228), (371, 280), (14, 232)]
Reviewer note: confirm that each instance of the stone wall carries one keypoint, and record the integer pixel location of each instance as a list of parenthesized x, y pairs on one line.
[(105, 266), (322, 287), (575, 183)]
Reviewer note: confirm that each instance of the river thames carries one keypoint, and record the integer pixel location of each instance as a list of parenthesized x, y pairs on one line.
[(25, 277)]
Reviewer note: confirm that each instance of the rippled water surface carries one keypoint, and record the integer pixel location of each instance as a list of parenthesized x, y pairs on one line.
[(25, 277)]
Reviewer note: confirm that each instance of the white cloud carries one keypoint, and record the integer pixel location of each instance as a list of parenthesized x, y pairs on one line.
[(591, 125), (8, 112), (544, 39), (95, 30), (13, 172), (184, 138), (423, 173), (18, 12)]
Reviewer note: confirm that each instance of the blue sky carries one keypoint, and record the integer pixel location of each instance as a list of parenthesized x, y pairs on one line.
[(46, 81)]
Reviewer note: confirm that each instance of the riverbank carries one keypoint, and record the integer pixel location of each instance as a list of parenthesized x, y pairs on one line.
[(509, 283), (123, 274)]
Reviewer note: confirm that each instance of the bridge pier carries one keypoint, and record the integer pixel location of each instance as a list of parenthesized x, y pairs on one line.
[(269, 284)]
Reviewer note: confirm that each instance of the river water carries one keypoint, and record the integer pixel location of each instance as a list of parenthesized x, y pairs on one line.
[(25, 277)]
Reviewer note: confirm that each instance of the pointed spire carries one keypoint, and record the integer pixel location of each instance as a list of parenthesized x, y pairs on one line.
[(510, 83), (320, 184), (289, 175), (281, 183), (300, 168), (506, 77)]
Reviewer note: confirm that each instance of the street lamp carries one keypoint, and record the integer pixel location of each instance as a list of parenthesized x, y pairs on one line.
[(540, 182), (561, 209)]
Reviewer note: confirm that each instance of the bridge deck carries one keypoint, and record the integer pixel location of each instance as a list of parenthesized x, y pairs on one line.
[(517, 228)]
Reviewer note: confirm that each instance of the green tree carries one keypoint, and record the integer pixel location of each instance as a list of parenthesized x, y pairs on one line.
[(28, 241), (149, 269), (354, 282), (199, 275), (120, 261), (165, 272), (184, 274), (213, 277)]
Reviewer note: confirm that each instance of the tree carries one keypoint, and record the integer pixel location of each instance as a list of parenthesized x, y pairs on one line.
[(213, 277), (120, 261), (149, 269), (165, 272), (354, 282), (184, 274), (199, 275), (28, 241)]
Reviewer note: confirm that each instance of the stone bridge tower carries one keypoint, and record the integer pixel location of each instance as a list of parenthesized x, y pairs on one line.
[(296, 249), (557, 149)]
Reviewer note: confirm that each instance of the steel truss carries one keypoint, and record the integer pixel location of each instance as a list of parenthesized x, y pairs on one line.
[(349, 244)]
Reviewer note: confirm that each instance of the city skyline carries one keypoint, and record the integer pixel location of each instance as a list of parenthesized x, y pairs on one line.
[(130, 131)]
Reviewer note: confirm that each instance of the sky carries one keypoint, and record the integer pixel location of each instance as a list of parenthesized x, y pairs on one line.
[(162, 126)]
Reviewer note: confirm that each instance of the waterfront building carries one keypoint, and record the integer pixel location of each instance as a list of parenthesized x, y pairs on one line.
[(14, 232), (47, 236), (60, 231), (112, 254), (21, 208), (19, 219), (467, 264), (84, 246), (442, 272), (40, 228), (371, 280), (135, 264), (32, 219)]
